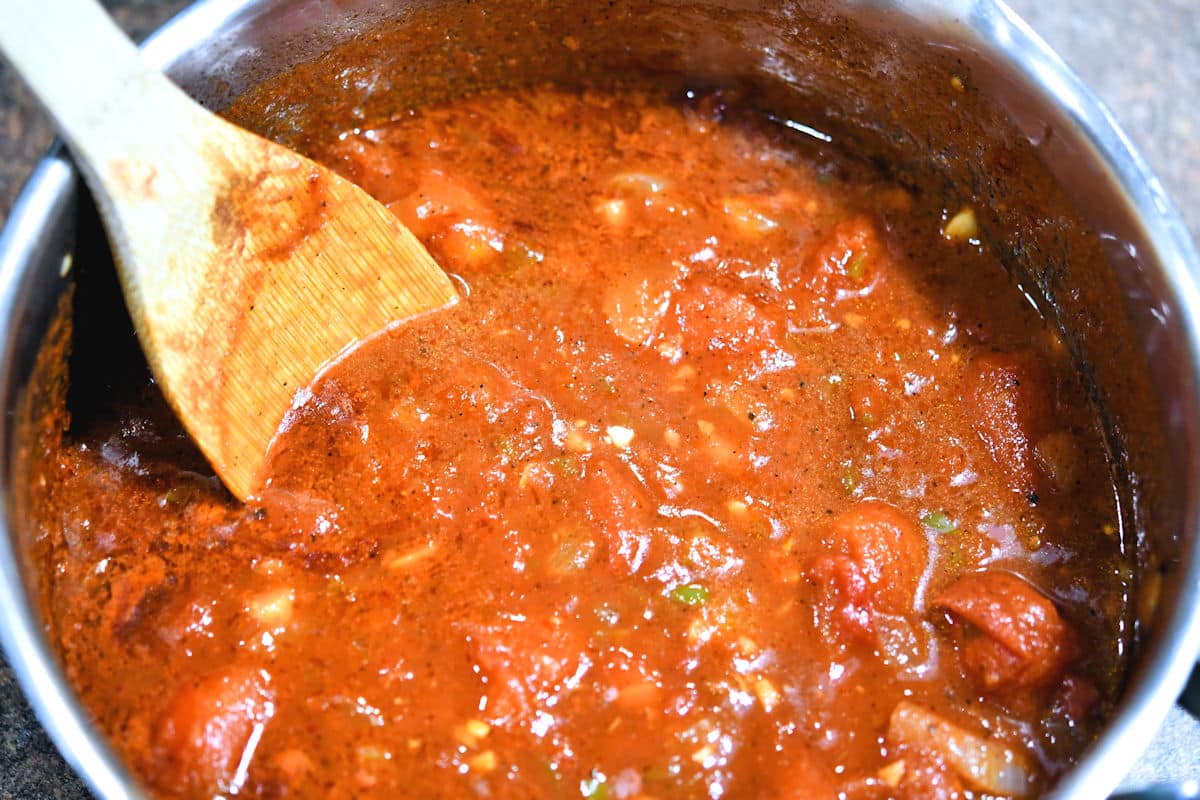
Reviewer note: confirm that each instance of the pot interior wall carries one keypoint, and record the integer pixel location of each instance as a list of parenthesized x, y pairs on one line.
[(869, 81)]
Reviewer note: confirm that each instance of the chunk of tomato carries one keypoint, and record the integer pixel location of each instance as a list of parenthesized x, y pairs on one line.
[(1010, 635), (887, 547), (525, 662), (806, 775), (635, 305), (210, 727), (620, 510), (438, 202), (845, 262), (1010, 408), (878, 555), (712, 319)]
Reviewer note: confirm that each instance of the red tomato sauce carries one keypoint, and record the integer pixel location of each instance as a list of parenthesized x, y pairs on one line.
[(732, 476)]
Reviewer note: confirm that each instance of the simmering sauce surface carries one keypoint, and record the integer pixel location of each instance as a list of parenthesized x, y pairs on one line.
[(733, 476)]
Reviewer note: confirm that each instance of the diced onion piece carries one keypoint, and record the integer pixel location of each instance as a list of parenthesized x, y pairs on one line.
[(620, 435), (747, 217), (981, 761), (273, 608), (962, 225), (641, 183), (404, 559)]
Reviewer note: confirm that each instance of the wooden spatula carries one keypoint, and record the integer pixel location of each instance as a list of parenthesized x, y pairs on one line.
[(246, 267)]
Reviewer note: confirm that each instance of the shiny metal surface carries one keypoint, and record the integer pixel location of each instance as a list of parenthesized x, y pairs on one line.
[(219, 47), (1181, 791), (32, 249)]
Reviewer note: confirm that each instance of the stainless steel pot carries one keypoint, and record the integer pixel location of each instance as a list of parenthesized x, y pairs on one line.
[(1151, 318)]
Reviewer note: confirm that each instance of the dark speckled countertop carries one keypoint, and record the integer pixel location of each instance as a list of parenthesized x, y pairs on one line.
[(1143, 59)]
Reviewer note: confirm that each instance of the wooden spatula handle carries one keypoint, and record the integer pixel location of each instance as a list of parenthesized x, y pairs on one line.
[(104, 100)]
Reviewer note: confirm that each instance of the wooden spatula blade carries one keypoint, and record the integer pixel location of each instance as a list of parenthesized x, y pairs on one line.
[(287, 266), (246, 267)]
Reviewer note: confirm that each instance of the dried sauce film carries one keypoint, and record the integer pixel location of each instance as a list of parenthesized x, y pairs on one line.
[(733, 478)]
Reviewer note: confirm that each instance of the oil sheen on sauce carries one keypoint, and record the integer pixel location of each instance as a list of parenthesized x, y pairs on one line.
[(740, 473)]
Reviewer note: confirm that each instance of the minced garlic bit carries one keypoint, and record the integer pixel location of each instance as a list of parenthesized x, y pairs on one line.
[(472, 732), (619, 435), (737, 506), (892, 773), (484, 762), (767, 694), (704, 756), (672, 437), (962, 225), (576, 442), (706, 427)]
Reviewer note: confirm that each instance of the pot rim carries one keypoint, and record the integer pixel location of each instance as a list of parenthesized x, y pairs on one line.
[(989, 24)]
